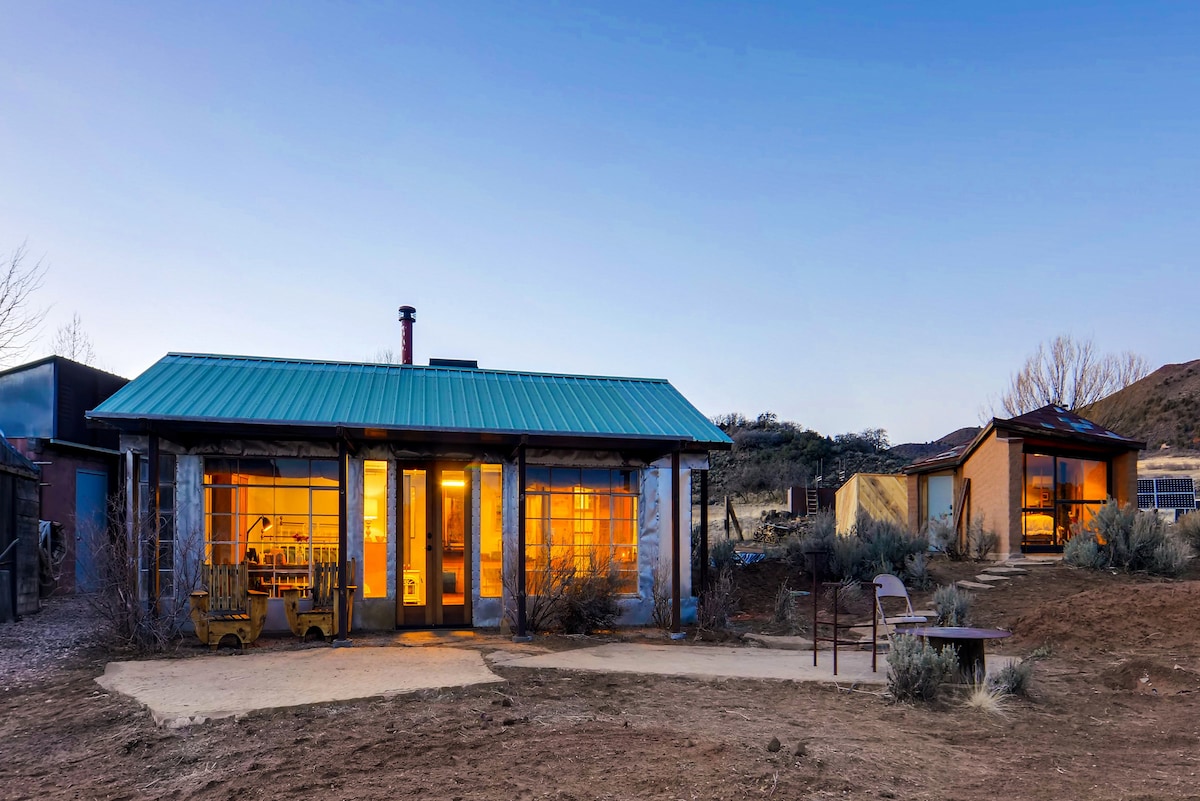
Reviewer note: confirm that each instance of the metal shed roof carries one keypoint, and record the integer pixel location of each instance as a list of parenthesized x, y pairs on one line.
[(253, 391)]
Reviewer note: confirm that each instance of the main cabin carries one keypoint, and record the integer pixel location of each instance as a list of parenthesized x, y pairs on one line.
[(1034, 479), (440, 487)]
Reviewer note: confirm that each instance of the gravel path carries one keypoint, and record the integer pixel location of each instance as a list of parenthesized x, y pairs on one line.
[(32, 649)]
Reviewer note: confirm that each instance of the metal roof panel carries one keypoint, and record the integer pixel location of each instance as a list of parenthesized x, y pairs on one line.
[(254, 390)]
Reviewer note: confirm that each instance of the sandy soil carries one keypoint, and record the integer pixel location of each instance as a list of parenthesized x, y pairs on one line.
[(1115, 715)]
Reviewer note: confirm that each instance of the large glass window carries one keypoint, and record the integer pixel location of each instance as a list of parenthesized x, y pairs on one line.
[(414, 566), (1061, 495), (375, 530), (491, 524), (581, 519), (278, 515)]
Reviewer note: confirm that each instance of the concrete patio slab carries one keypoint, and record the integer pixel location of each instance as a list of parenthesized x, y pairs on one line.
[(180, 692), (708, 662)]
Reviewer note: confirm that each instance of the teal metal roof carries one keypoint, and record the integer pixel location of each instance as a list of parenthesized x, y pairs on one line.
[(246, 390)]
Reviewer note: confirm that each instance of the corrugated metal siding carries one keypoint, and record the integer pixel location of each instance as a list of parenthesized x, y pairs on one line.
[(284, 391)]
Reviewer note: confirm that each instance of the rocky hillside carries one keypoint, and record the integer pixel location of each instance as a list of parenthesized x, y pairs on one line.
[(1162, 409)]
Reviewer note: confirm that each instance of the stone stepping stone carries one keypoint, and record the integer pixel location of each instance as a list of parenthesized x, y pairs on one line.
[(1012, 570), (973, 585), (986, 577), (1035, 562)]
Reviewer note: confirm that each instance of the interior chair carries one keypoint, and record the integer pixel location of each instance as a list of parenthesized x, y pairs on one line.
[(889, 586)]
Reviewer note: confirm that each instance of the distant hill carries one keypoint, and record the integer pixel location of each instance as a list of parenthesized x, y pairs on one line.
[(911, 451), (1162, 409)]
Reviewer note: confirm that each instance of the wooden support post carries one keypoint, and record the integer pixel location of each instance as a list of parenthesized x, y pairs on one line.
[(676, 491), (343, 539), (703, 532), (521, 622)]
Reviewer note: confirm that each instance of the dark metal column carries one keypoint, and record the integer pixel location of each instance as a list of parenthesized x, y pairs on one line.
[(521, 543), (676, 616), (703, 532), (151, 544), (343, 538)]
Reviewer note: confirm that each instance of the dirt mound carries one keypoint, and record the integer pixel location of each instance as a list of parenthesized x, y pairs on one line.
[(1147, 677), (1162, 408), (1161, 615)]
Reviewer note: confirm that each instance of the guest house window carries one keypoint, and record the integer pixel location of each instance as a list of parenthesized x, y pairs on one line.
[(1061, 495), (491, 525), (278, 515), (375, 529), (582, 520)]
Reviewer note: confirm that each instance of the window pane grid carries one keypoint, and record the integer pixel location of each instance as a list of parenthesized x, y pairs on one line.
[(277, 515), (581, 520)]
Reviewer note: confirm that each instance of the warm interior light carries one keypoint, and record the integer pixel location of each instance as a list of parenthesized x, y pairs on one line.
[(371, 509), (454, 482)]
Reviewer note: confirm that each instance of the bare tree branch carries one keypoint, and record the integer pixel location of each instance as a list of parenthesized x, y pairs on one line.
[(1071, 374), (386, 356), (72, 341), (18, 322)]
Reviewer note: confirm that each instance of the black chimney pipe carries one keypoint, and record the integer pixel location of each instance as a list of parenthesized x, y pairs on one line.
[(407, 318)]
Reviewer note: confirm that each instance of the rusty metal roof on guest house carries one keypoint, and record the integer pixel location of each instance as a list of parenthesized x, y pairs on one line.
[(1051, 422), (222, 392)]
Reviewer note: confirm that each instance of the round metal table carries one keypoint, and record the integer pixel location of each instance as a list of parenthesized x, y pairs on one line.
[(967, 642)]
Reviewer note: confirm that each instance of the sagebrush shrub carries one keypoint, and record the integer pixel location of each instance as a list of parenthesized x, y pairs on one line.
[(1170, 558), (1131, 540), (916, 670), (916, 572), (981, 542), (1187, 528), (940, 533), (1083, 550), (720, 553), (1012, 679), (953, 605)]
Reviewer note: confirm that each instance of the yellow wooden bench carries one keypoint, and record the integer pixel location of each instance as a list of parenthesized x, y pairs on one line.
[(325, 596), (228, 606)]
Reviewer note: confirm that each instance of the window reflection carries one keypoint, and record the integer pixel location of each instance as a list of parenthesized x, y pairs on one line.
[(582, 519)]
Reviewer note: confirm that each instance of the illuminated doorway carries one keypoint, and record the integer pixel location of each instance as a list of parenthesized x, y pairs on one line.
[(435, 547)]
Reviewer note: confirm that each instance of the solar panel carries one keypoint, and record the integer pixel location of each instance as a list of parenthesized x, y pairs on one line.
[(1166, 493)]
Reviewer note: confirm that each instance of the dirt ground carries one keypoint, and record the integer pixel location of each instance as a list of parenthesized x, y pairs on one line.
[(1115, 714)]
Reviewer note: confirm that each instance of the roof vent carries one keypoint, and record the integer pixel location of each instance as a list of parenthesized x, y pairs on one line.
[(466, 364)]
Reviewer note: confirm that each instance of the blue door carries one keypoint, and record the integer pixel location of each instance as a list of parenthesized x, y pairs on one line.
[(91, 490)]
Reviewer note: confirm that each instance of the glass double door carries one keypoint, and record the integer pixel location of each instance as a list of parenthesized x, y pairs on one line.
[(435, 546)]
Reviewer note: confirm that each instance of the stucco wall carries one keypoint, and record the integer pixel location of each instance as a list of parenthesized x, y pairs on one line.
[(994, 470), (1124, 478)]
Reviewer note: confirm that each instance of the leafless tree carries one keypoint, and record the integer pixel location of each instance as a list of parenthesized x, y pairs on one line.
[(386, 356), (1072, 374), (73, 342), (18, 322)]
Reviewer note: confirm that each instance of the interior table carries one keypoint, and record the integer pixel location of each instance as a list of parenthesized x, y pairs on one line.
[(967, 643)]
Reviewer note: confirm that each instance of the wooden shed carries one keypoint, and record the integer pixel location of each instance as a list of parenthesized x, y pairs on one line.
[(18, 534), (881, 495)]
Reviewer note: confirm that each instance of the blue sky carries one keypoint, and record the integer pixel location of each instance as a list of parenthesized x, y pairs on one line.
[(852, 214)]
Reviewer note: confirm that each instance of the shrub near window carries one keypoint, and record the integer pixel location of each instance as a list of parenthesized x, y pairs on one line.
[(1126, 539)]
